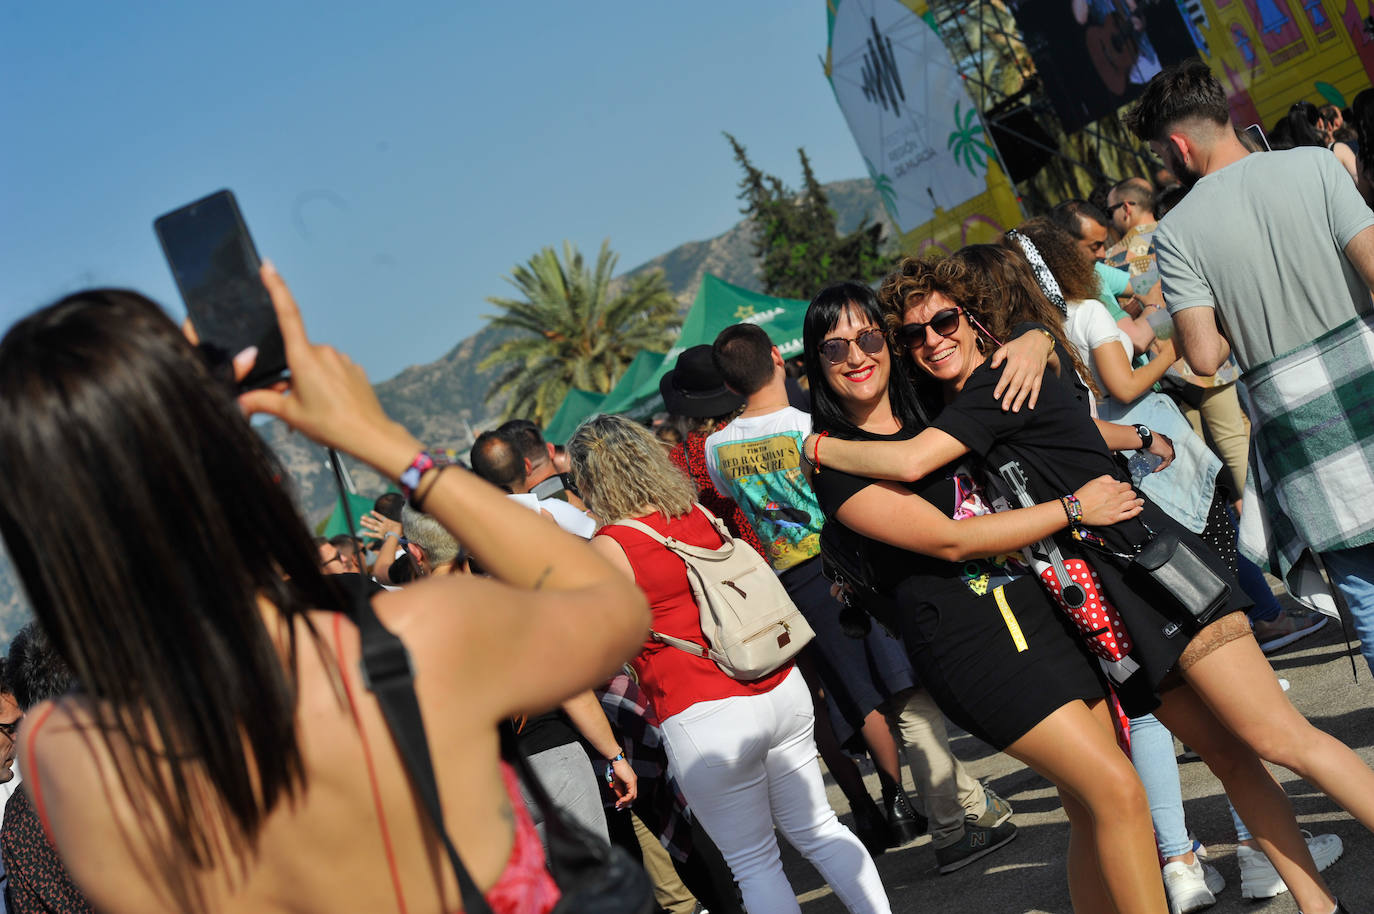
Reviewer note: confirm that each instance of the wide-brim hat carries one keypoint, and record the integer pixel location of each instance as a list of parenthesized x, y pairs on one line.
[(694, 387)]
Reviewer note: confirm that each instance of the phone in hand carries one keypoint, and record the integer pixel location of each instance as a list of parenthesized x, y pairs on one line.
[(215, 265)]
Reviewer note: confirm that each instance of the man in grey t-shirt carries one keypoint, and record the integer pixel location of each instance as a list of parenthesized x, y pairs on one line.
[(1277, 249)]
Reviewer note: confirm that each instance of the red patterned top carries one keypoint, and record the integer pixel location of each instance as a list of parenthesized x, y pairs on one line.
[(673, 679), (690, 457)]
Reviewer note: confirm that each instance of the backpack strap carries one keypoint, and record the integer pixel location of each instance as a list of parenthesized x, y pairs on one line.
[(675, 545)]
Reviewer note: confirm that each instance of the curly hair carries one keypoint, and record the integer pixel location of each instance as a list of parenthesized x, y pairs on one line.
[(1012, 296), (1066, 260), (915, 278), (993, 283), (621, 469)]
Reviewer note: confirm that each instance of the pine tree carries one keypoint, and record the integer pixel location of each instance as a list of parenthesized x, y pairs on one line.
[(796, 238)]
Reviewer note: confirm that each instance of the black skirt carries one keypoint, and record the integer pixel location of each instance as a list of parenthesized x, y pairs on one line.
[(998, 667)]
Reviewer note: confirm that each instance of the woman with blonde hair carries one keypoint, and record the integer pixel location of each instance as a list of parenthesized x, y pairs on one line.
[(742, 752)]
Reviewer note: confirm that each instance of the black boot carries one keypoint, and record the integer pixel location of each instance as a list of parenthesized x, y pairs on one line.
[(871, 827), (905, 823)]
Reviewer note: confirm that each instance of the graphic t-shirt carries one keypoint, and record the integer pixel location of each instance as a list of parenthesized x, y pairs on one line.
[(756, 460)]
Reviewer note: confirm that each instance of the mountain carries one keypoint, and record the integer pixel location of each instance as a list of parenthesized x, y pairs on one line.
[(443, 402)]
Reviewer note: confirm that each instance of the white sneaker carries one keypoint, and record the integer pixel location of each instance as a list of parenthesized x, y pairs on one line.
[(1259, 879), (1189, 886)]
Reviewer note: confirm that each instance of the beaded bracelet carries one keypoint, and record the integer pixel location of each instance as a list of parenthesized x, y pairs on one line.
[(1072, 509)]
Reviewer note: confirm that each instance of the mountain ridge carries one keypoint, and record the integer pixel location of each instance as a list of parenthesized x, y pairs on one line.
[(443, 402)]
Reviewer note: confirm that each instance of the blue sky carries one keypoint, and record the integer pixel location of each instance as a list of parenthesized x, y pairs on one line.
[(394, 161)]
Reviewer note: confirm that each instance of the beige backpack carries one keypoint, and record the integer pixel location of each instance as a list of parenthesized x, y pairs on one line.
[(749, 621)]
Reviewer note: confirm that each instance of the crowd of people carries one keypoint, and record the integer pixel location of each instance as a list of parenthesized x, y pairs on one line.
[(970, 502)]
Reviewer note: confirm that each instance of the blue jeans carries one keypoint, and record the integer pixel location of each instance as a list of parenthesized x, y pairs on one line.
[(1352, 571), (1152, 753)]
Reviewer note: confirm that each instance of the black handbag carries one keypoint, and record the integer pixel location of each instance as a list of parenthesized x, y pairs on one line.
[(1189, 591), (591, 875)]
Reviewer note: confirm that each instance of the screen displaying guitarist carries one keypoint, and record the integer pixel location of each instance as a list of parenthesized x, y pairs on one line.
[(1118, 45)]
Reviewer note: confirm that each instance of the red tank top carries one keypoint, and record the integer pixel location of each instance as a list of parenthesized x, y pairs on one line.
[(674, 680)]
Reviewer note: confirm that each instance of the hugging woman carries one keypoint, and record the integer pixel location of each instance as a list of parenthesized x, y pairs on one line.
[(1214, 689), (982, 635)]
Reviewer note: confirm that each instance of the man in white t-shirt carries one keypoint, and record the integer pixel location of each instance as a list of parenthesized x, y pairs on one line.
[(1277, 248), (497, 458)]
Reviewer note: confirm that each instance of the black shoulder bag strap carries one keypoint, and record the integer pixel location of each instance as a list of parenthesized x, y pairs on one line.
[(389, 675)]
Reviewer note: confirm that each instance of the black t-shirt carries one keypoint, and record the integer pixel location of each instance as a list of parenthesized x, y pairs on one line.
[(910, 576), (1057, 443)]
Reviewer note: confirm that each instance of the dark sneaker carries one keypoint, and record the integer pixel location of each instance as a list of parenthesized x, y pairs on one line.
[(1291, 625), (976, 842), (994, 813)]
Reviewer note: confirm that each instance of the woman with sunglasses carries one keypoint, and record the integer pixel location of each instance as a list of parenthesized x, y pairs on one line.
[(1215, 690), (996, 656)]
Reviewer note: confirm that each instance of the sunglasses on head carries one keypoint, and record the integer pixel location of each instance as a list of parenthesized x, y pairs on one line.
[(945, 323), (836, 349)]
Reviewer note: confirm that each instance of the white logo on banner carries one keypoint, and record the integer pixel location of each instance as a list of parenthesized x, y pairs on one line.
[(916, 127)]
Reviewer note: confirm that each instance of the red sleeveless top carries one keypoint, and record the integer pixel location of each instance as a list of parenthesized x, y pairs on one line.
[(673, 679)]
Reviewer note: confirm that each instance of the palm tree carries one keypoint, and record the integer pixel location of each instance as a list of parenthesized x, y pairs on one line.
[(573, 330)]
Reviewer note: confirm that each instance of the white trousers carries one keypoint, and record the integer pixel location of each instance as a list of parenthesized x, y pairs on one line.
[(748, 763)]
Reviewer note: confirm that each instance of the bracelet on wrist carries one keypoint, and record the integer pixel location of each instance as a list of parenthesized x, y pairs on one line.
[(816, 450), (618, 758), (420, 464), (1073, 510)]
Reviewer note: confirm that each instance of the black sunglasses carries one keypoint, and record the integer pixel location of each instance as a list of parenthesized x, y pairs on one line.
[(11, 728), (1111, 210), (945, 323), (836, 349)]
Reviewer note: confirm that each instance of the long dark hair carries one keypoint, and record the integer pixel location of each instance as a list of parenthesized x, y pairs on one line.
[(145, 518), (1302, 121), (827, 411)]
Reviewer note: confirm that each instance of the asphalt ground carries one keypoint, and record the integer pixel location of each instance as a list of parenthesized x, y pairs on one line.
[(1028, 873)]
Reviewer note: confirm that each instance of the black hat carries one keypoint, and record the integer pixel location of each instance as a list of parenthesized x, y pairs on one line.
[(694, 387)]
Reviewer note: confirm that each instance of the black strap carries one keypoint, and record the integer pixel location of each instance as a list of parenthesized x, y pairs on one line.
[(389, 675)]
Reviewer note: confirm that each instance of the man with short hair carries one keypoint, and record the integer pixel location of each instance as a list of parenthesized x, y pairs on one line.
[(1203, 399), (350, 560), (498, 458), (757, 460), (542, 478), (330, 560), (1089, 225), (1277, 248)]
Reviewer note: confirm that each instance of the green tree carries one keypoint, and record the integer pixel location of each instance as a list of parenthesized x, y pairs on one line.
[(573, 330), (796, 238)]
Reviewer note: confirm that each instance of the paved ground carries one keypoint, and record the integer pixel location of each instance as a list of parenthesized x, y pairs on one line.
[(1028, 874)]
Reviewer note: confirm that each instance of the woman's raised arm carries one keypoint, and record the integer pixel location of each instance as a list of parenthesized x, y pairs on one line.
[(557, 617)]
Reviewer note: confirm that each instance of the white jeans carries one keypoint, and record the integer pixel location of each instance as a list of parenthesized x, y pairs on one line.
[(748, 763)]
